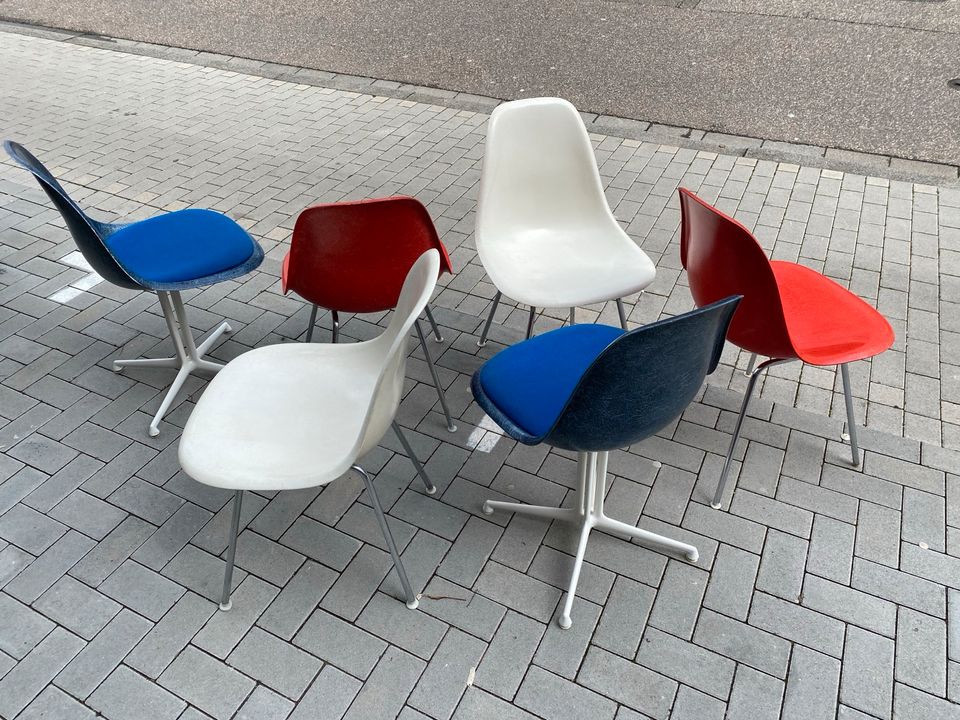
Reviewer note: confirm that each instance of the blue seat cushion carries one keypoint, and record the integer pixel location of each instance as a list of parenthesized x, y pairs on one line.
[(531, 381), (180, 246)]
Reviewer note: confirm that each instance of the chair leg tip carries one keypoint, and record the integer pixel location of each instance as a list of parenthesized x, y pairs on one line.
[(481, 343), (693, 556), (413, 604), (716, 505), (153, 431), (487, 510), (227, 605), (432, 490), (565, 622), (116, 368), (451, 428)]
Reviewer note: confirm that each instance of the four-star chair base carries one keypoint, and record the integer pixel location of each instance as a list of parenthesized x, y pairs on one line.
[(592, 487), (189, 355)]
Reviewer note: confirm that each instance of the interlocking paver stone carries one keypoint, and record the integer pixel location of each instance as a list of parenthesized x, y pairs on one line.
[(816, 575)]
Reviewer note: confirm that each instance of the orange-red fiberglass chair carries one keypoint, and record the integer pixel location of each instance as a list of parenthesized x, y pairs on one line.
[(353, 257), (789, 312)]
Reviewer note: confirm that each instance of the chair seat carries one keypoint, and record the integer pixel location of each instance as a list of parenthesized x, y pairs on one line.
[(828, 324), (180, 246), (281, 417), (526, 386), (567, 267)]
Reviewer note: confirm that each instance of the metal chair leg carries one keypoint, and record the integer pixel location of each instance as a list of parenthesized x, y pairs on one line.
[(622, 313), (312, 323), (751, 364), (851, 420), (225, 602), (433, 323), (533, 315), (427, 483), (336, 325), (411, 599), (486, 326), (754, 376), (436, 379), (573, 316)]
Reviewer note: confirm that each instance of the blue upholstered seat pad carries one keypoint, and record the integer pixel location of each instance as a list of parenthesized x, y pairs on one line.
[(181, 245), (531, 381)]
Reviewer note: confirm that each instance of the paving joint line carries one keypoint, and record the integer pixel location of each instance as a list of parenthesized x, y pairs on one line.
[(831, 158)]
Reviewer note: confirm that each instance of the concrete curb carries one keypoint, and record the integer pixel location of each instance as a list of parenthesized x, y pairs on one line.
[(851, 161)]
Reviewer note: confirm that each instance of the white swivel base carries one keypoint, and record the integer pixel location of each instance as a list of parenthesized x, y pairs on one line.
[(589, 514), (189, 357)]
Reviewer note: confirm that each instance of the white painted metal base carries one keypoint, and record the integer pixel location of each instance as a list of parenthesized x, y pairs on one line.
[(189, 355), (589, 513)]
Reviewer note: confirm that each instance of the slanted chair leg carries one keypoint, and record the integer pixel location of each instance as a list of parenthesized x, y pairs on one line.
[(533, 316), (433, 324), (411, 599), (427, 483), (436, 378), (336, 325), (486, 326), (728, 461), (573, 316), (622, 313), (312, 323), (851, 420), (225, 602), (751, 364), (189, 356)]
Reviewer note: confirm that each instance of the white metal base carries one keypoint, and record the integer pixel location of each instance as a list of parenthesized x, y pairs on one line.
[(589, 513), (189, 355)]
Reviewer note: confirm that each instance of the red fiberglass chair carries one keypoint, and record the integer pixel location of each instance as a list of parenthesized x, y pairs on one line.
[(789, 312), (353, 257)]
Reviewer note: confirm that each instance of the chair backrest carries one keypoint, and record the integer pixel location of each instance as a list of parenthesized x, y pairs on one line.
[(643, 380), (416, 291), (539, 172), (354, 256), (723, 258), (88, 233)]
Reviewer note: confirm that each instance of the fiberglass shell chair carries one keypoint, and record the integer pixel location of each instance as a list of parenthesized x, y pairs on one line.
[(353, 256), (544, 231), (789, 312), (164, 254), (292, 416), (594, 388)]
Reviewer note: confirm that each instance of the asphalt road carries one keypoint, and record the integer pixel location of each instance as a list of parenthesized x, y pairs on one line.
[(868, 75)]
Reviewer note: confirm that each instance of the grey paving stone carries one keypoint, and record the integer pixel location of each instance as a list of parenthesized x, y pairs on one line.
[(274, 663), (867, 681), (102, 655), (357, 583), (141, 589), (31, 582), (725, 527), (77, 607), (415, 632), (29, 530), (297, 600), (911, 704), (388, 686), (13, 560), (207, 683), (169, 636), (554, 568), (755, 696), (201, 572), (798, 624), (850, 605), (624, 617), (921, 651), (266, 559), (692, 704), (745, 643), (22, 627), (830, 554), (561, 651), (341, 644), (264, 704), (518, 592), (553, 698), (509, 654), (462, 608), (447, 676), (478, 705), (329, 697), (225, 629), (812, 686), (54, 703), (679, 598), (88, 514), (175, 533), (110, 552), (904, 589), (31, 675), (674, 657)]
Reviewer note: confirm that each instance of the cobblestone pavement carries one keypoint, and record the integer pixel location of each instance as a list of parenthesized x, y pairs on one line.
[(821, 588)]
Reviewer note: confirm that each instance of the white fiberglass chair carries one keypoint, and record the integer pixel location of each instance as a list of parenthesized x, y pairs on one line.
[(296, 415), (545, 233)]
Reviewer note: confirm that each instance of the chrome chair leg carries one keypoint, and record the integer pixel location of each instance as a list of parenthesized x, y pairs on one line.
[(533, 316), (754, 376), (486, 326), (573, 316), (622, 313), (225, 602), (851, 420), (411, 599), (427, 483), (336, 325), (433, 323), (312, 323), (436, 379), (751, 364)]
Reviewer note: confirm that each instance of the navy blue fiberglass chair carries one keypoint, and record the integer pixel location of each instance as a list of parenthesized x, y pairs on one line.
[(164, 254), (592, 389)]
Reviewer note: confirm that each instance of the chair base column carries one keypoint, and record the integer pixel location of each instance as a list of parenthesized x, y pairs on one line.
[(589, 514), (189, 356)]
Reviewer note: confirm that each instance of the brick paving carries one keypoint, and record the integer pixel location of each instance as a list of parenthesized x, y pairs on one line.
[(823, 592)]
